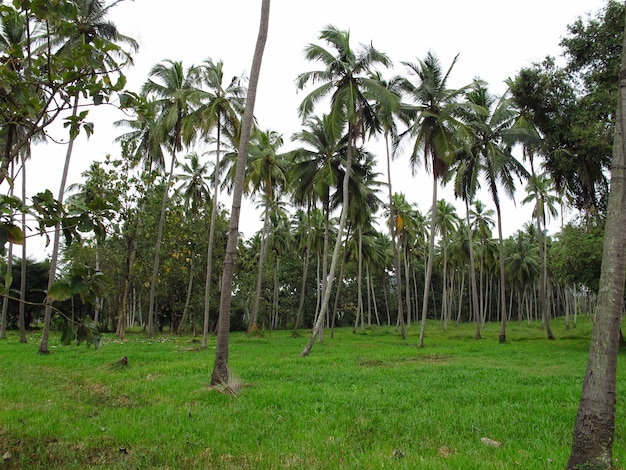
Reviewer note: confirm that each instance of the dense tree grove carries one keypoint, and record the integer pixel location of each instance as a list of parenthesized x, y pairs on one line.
[(136, 250), (145, 240)]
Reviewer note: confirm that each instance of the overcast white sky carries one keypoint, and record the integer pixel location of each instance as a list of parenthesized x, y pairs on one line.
[(494, 39)]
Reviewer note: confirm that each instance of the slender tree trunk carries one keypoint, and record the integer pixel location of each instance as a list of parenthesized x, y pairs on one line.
[(209, 256), (444, 302), (429, 267), (333, 264), (259, 281), (394, 243), (43, 347), (594, 429), (8, 280), (22, 308), (407, 287), (131, 250), (470, 237), (220, 368), (339, 283), (305, 273), (157, 250), (502, 337), (187, 299)]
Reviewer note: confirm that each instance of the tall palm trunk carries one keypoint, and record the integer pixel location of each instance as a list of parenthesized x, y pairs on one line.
[(43, 346), (339, 283), (305, 273), (394, 243), (542, 255), (502, 337), (335, 259), (209, 256), (220, 368), (594, 430), (444, 303), (157, 249), (470, 239), (359, 282), (259, 281), (431, 256)]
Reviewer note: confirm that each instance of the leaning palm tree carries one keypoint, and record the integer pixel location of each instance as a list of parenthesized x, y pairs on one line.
[(346, 79), (220, 374), (315, 173), (435, 129), (176, 94)]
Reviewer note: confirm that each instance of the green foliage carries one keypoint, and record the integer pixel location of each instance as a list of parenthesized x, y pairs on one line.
[(574, 106), (576, 256), (84, 332), (9, 231), (360, 401)]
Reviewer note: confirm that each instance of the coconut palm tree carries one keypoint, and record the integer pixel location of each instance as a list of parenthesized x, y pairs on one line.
[(220, 374), (490, 121), (195, 193), (176, 94), (435, 129), (315, 173), (446, 222), (594, 429), (540, 190), (266, 174), (346, 79), (482, 220), (386, 113), (221, 111)]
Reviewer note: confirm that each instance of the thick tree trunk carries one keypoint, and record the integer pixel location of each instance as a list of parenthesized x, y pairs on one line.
[(220, 367), (594, 430)]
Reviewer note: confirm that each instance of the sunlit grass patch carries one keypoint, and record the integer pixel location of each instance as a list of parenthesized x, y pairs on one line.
[(358, 401)]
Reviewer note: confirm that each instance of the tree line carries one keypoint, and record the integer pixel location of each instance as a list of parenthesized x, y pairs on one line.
[(178, 155)]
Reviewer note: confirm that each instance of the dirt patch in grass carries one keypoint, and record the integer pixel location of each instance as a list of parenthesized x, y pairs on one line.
[(428, 358), (30, 452)]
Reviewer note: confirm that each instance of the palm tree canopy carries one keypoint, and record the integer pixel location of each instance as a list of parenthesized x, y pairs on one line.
[(346, 80)]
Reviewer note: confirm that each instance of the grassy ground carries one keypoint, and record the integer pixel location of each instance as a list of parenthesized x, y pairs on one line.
[(360, 401)]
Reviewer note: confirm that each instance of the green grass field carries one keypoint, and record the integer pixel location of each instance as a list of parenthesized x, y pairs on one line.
[(360, 401)]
